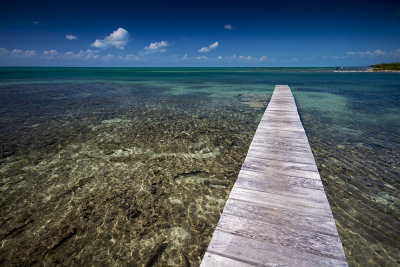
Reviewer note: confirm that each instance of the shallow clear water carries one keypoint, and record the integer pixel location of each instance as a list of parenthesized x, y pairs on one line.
[(133, 166)]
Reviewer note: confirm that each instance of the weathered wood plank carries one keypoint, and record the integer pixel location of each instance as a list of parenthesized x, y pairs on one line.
[(264, 253), (281, 133), (293, 219), (279, 200), (261, 152), (281, 181), (277, 234), (211, 259), (287, 150), (277, 212), (282, 167), (282, 185), (276, 141)]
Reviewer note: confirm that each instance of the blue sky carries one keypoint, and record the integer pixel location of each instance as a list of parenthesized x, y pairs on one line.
[(199, 33)]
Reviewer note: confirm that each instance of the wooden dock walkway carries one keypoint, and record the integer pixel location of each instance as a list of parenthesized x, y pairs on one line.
[(277, 213)]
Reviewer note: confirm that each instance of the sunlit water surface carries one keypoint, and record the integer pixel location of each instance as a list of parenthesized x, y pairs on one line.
[(133, 166)]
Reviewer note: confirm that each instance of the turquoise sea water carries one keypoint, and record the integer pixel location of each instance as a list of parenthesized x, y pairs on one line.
[(132, 166)]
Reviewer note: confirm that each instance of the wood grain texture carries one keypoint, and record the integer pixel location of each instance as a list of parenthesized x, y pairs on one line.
[(277, 213)]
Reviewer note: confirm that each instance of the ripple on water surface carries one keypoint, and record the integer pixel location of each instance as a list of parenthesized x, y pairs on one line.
[(357, 154), (104, 180)]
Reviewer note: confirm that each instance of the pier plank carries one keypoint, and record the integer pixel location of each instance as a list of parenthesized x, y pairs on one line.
[(262, 253), (282, 150), (220, 261), (277, 212), (301, 220), (274, 233), (280, 200)]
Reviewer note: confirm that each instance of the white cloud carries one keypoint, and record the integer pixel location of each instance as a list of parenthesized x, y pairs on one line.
[(377, 52), (233, 58), (214, 45), (156, 47), (37, 22), (204, 50), (90, 54), (228, 27), (22, 53), (50, 52), (29, 53), (17, 53), (108, 57), (131, 57), (202, 58), (246, 58), (81, 54), (69, 55), (208, 48), (3, 51), (70, 37), (194, 58), (118, 38)]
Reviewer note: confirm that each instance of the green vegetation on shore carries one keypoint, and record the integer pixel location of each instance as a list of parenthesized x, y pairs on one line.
[(387, 66)]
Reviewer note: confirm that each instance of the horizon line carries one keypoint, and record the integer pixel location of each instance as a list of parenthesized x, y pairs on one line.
[(215, 67)]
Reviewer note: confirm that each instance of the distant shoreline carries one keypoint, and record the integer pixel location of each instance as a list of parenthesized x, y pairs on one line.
[(367, 70)]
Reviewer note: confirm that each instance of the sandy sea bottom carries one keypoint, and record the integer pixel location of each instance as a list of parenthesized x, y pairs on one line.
[(358, 158), (117, 182)]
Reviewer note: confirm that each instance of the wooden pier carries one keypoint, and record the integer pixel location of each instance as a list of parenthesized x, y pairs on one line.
[(277, 213)]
